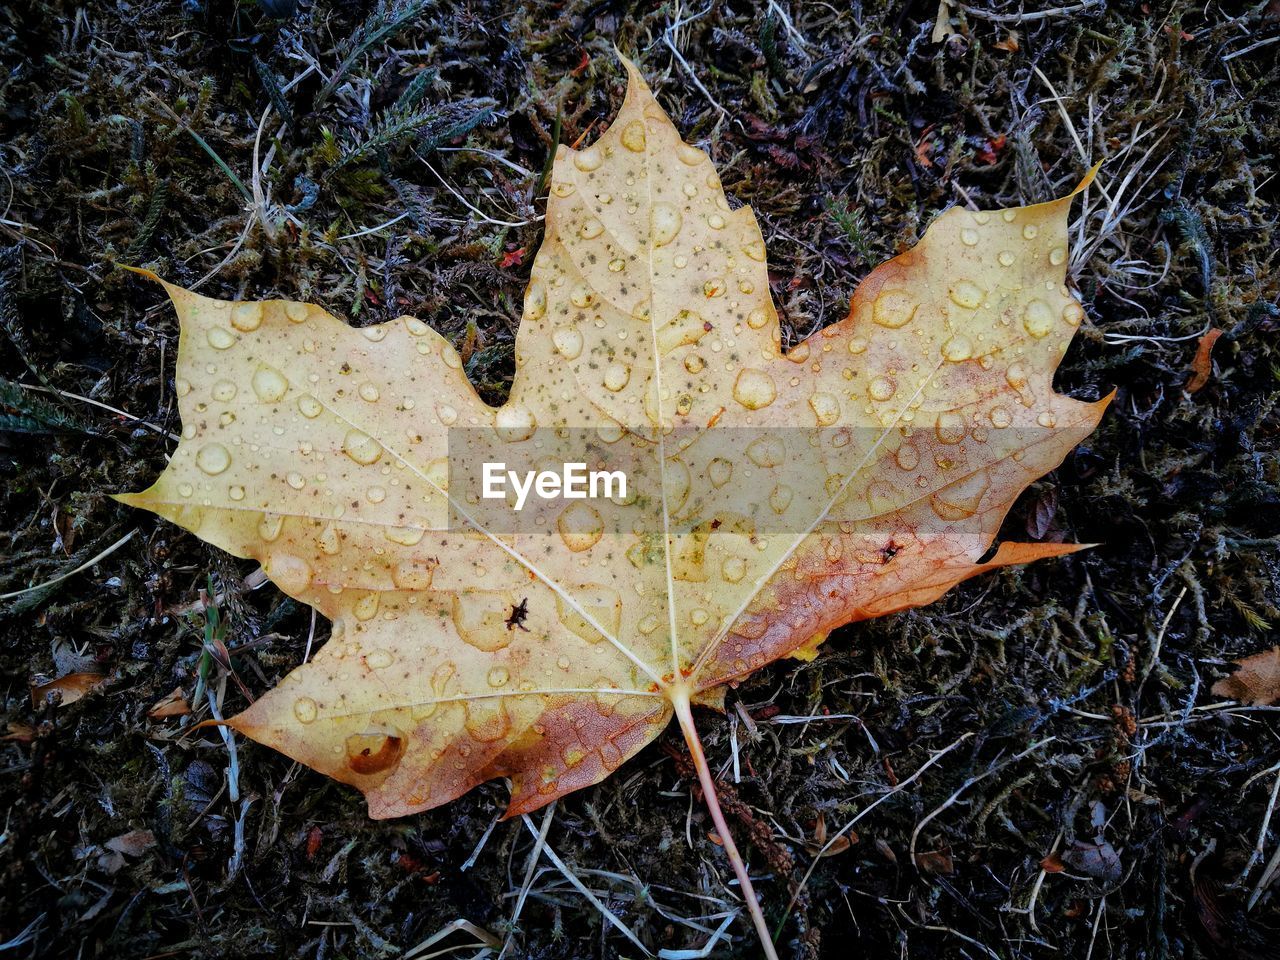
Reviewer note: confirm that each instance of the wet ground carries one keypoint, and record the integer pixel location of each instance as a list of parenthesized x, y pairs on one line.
[(1050, 773)]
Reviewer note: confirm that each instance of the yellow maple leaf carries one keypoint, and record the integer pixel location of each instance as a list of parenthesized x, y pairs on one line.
[(774, 495)]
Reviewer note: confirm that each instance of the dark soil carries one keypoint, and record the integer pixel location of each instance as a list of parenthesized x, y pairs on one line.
[(1072, 696)]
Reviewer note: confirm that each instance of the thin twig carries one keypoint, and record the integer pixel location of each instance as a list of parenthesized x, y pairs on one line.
[(71, 573), (1024, 17)]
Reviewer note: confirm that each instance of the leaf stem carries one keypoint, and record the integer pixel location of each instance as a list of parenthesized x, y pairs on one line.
[(684, 714)]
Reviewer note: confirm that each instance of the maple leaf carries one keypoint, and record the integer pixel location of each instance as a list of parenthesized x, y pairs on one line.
[(1256, 680), (776, 495)]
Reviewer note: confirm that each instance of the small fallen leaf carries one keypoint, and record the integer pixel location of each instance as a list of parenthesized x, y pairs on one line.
[(69, 688), (1097, 860), (20, 733), (936, 862), (1202, 363), (1009, 44), (173, 705), (1053, 864), (315, 836), (1040, 516), (1256, 681), (132, 845)]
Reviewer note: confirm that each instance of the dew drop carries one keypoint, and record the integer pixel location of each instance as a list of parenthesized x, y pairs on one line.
[(405, 536), (296, 312), (950, 427), (780, 498), (716, 222), (588, 159), (591, 228), (1058, 256), (581, 296), (1030, 231), (213, 458), (305, 709), (893, 309), (514, 423), (957, 349), (960, 500), (236, 492), (270, 525), (617, 265), (1047, 419), (366, 608), (881, 388), (766, 451), (568, 342), (665, 222), (826, 407), (309, 406), (616, 376), (969, 238), (361, 447), (1006, 258), (446, 414), (719, 471), (220, 339), (246, 316), (857, 345), (291, 574), (186, 489), (535, 301), (412, 575), (223, 391), (368, 392), (907, 457), (755, 250), (379, 659), (296, 480), (270, 385), (965, 293), (1073, 314), (689, 155), (580, 526), (754, 389), (1000, 417), (733, 569), (633, 136), (1038, 319), (1016, 375), (498, 677)]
